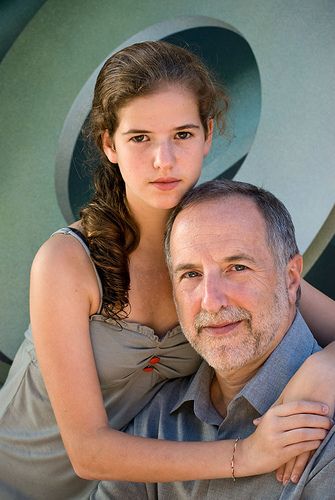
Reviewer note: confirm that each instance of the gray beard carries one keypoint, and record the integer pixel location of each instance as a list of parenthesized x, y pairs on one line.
[(226, 354)]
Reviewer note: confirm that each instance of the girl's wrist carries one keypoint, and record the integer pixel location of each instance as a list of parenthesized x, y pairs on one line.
[(232, 462), (243, 466)]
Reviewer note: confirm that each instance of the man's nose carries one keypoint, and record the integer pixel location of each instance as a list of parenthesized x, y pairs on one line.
[(214, 294), (164, 156)]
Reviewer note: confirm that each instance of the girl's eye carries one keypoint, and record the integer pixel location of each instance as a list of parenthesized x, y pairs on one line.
[(239, 267), (139, 138), (183, 135)]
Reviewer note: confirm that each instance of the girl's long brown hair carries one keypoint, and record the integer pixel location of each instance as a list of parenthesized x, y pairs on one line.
[(138, 70)]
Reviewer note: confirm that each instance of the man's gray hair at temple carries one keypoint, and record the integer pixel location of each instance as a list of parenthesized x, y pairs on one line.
[(279, 225)]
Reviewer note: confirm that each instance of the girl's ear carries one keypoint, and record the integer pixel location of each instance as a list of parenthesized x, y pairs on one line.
[(108, 147), (293, 276), (209, 136)]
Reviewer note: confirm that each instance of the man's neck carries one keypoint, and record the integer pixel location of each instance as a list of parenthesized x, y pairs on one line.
[(226, 386)]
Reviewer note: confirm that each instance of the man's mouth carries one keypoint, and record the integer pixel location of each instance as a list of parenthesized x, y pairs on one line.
[(222, 328)]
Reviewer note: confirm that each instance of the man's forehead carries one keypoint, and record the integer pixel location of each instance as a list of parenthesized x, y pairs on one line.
[(228, 227), (234, 212)]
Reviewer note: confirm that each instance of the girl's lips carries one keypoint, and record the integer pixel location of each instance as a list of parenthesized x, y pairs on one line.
[(222, 329), (165, 184)]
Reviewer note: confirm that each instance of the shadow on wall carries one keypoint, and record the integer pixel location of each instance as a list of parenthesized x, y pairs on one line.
[(14, 16)]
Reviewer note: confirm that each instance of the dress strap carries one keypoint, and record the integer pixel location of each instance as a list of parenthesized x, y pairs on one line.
[(78, 235)]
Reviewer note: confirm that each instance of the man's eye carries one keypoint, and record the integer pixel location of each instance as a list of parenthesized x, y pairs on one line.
[(190, 274), (183, 135), (239, 267), (139, 138)]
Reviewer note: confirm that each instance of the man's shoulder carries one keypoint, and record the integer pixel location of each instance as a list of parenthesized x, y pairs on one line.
[(318, 479), (324, 456)]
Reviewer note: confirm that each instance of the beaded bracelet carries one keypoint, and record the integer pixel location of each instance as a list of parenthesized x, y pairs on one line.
[(232, 464)]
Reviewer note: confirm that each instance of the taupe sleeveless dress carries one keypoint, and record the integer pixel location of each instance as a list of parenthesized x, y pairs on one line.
[(33, 461)]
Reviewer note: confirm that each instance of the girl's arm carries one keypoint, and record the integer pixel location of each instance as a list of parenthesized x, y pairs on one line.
[(64, 293), (318, 311), (317, 375)]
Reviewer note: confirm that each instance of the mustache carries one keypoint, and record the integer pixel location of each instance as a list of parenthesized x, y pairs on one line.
[(228, 314)]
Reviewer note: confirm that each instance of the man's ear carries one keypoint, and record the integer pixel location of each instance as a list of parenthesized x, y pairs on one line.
[(293, 277), (108, 147)]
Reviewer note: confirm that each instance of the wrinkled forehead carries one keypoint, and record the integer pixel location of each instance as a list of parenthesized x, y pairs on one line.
[(228, 224)]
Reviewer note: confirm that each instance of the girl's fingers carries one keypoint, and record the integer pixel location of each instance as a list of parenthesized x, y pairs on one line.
[(303, 435), (305, 420), (294, 450), (295, 407), (299, 407), (288, 468), (280, 473), (299, 466)]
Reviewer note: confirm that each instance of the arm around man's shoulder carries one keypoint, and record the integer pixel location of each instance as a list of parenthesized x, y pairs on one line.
[(318, 479)]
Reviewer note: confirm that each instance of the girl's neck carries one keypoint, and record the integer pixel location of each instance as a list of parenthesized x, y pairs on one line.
[(151, 223)]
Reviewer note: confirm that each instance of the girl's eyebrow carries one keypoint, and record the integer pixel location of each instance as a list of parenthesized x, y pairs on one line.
[(136, 131), (141, 131), (187, 125)]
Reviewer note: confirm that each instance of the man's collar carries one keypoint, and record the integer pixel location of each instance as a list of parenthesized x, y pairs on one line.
[(268, 383), (199, 393), (266, 386)]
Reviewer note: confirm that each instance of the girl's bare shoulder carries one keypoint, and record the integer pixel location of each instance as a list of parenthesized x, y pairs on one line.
[(62, 264), (60, 251)]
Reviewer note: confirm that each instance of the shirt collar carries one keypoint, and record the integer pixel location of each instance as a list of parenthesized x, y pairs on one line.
[(198, 392), (296, 346)]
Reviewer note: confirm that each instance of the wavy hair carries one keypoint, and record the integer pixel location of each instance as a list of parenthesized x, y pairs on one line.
[(135, 71)]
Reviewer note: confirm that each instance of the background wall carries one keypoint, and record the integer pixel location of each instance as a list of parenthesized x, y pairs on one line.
[(281, 123)]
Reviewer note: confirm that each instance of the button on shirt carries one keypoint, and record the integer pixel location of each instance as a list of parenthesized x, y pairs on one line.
[(183, 411)]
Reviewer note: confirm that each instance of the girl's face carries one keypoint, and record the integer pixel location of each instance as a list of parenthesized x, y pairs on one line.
[(159, 146)]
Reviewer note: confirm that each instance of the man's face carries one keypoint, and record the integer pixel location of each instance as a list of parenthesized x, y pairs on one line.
[(232, 300)]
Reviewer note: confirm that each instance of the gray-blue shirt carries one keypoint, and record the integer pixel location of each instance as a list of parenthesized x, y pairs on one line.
[(183, 411)]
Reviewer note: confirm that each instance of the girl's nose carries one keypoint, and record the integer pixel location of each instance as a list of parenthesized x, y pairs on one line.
[(164, 156)]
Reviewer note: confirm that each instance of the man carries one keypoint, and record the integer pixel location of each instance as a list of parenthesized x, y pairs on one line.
[(235, 269)]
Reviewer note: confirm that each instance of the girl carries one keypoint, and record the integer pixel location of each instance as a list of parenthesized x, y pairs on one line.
[(103, 321)]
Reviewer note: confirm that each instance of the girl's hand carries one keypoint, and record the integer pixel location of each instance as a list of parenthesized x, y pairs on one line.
[(311, 382), (292, 470), (283, 432)]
